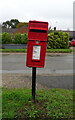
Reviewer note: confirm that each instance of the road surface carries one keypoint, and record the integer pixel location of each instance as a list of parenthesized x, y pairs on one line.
[(57, 73)]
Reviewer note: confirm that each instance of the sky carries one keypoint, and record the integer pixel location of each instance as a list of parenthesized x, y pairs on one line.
[(58, 13)]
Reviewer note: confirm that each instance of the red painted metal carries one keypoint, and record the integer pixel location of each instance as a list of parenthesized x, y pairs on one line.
[(37, 30), (37, 40)]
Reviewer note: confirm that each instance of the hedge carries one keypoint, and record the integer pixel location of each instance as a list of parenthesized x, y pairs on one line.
[(6, 38), (58, 40), (18, 38)]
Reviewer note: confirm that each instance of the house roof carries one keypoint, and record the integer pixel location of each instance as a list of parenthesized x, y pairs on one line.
[(21, 30), (71, 33), (9, 30)]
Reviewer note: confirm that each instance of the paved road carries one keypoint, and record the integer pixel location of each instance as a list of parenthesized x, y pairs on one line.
[(53, 64), (57, 73)]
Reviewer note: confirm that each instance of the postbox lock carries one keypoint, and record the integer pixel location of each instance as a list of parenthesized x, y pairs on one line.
[(37, 42)]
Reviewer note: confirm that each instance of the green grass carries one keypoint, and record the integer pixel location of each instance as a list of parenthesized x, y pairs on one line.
[(48, 50), (59, 50), (12, 50), (13, 100), (52, 103)]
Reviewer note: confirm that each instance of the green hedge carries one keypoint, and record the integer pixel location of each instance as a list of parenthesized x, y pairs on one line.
[(18, 38), (58, 40), (6, 38)]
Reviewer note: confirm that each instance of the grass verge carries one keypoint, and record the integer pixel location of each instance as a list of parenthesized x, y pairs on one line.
[(53, 103), (13, 50), (48, 50), (59, 50)]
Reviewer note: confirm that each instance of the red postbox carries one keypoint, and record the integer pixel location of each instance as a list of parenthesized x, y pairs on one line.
[(37, 40)]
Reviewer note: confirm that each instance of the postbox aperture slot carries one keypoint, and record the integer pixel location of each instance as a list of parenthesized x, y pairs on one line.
[(38, 31), (36, 52)]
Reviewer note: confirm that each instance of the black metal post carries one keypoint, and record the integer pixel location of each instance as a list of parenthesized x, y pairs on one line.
[(33, 83)]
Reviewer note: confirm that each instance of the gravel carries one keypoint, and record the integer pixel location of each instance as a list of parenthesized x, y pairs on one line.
[(18, 81)]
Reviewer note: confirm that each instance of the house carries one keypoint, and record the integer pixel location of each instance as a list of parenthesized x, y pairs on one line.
[(71, 34), (24, 29), (9, 30), (21, 30)]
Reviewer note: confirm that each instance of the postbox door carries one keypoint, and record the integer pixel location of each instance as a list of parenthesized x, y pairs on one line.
[(36, 54)]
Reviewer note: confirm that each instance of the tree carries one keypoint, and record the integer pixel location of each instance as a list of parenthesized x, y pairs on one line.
[(14, 22), (21, 24), (10, 24), (4, 25), (49, 29)]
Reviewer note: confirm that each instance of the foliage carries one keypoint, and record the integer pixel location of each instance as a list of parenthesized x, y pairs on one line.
[(53, 103), (14, 22), (20, 38), (17, 38), (6, 38), (49, 30), (24, 38), (21, 24), (58, 40), (10, 24)]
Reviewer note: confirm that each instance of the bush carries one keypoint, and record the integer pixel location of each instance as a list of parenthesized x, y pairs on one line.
[(6, 38), (20, 39), (58, 40), (17, 38), (24, 38)]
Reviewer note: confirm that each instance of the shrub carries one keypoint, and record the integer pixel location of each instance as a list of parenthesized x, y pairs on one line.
[(20, 38), (24, 38), (6, 38), (58, 40), (17, 38)]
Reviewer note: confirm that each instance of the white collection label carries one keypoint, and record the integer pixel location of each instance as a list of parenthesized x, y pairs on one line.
[(36, 52)]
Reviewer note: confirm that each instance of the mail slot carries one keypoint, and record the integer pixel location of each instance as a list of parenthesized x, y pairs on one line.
[(37, 41)]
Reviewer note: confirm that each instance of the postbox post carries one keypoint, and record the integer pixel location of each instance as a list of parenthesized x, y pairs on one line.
[(33, 83)]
